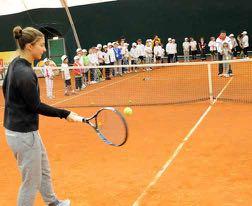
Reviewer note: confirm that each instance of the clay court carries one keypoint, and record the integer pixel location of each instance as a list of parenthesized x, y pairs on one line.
[(181, 151)]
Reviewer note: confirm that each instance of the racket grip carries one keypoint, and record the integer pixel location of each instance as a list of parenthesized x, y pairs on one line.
[(79, 119), (75, 117)]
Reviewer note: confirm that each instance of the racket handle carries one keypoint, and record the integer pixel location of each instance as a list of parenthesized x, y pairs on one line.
[(75, 117), (79, 119)]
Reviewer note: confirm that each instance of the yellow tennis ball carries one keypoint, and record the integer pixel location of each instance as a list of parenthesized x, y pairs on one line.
[(127, 111)]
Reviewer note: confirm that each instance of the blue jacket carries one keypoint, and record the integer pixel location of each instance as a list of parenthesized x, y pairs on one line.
[(118, 53)]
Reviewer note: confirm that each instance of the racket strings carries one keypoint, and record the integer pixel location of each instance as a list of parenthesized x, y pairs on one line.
[(111, 125)]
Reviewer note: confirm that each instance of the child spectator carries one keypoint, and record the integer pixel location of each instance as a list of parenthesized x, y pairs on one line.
[(66, 75), (48, 74), (186, 50), (77, 73), (213, 48)]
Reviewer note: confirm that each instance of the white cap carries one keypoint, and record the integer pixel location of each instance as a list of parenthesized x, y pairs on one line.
[(46, 60), (63, 57), (169, 39), (244, 32), (115, 43), (231, 35), (134, 44), (99, 46), (173, 39), (84, 50), (186, 39), (109, 44), (78, 50), (105, 46), (76, 58)]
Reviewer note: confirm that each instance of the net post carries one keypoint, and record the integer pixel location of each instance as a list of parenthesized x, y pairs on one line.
[(210, 83)]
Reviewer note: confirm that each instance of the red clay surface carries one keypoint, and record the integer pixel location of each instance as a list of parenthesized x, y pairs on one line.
[(214, 167)]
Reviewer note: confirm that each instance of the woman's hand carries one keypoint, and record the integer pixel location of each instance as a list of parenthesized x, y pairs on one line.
[(73, 117)]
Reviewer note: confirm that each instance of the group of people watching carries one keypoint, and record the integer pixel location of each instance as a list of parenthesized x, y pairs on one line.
[(152, 51)]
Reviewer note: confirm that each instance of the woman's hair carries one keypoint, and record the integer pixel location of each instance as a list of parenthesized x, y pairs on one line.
[(26, 36)]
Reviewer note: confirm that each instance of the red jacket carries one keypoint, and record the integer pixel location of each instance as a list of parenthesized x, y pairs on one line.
[(77, 71)]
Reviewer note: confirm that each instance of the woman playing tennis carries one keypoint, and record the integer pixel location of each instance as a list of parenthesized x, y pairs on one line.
[(21, 119)]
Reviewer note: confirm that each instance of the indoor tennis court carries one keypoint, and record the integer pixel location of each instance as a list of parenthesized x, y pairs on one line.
[(181, 151)]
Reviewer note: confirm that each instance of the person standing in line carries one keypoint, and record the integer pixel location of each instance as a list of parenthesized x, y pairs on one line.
[(186, 50)]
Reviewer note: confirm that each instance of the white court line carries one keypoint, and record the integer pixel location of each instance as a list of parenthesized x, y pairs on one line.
[(178, 150), (89, 91), (93, 90)]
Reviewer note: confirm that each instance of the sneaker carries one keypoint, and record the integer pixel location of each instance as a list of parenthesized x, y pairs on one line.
[(60, 203), (220, 75), (64, 203)]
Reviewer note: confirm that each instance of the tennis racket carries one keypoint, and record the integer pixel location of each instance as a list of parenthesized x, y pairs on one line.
[(110, 126)]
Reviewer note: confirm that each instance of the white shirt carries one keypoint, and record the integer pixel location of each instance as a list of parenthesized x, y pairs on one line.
[(234, 42), (100, 56), (219, 43), (148, 51), (93, 59), (124, 48), (65, 69), (171, 48), (81, 59), (112, 56), (193, 45), (186, 46), (133, 53), (48, 72), (158, 50), (125, 52), (106, 57), (140, 50), (212, 45), (174, 47), (163, 53), (245, 41), (168, 48)]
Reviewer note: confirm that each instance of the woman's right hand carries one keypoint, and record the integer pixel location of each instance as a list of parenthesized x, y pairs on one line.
[(73, 117)]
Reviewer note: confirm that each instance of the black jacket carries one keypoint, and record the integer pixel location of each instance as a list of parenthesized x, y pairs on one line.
[(22, 99)]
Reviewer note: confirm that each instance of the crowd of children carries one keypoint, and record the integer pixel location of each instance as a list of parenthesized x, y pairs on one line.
[(118, 53)]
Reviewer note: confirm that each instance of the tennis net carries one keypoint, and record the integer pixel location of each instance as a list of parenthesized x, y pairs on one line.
[(158, 84), (154, 84)]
